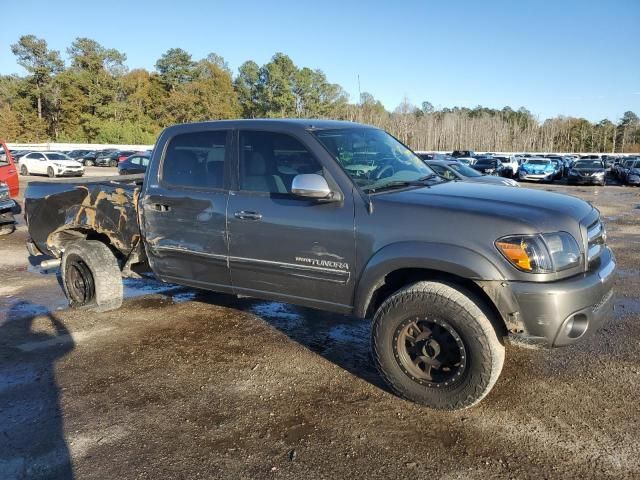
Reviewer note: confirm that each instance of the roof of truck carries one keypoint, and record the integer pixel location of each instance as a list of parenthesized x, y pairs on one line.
[(310, 123)]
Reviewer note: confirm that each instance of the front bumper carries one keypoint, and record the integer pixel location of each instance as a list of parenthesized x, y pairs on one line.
[(536, 177), (633, 180), (557, 313), (583, 180), (64, 172), (7, 209)]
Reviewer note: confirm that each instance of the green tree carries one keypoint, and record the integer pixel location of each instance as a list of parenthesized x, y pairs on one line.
[(176, 67), (41, 63), (277, 83), (247, 86)]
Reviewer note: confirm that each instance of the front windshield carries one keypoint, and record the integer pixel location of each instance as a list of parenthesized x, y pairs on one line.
[(373, 158), (57, 156), (588, 164), (464, 170)]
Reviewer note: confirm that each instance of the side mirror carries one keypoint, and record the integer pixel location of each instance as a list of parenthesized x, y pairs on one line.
[(311, 185)]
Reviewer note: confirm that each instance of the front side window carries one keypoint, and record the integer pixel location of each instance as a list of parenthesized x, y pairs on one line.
[(372, 158), (196, 160), (269, 161)]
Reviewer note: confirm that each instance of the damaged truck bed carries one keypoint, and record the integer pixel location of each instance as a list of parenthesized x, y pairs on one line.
[(103, 208)]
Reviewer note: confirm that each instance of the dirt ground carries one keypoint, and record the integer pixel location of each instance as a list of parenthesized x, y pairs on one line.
[(186, 384)]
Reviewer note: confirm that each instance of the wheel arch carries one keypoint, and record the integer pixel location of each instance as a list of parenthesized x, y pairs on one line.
[(402, 264)]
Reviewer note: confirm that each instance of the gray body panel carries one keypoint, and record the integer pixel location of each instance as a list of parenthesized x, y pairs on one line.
[(335, 255)]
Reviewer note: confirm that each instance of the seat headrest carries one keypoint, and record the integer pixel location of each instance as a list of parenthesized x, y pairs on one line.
[(184, 167), (257, 165)]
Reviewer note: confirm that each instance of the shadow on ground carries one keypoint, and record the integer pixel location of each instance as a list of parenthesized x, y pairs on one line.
[(32, 443), (341, 339)]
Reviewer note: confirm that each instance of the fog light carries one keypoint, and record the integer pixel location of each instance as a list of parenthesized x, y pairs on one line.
[(576, 326)]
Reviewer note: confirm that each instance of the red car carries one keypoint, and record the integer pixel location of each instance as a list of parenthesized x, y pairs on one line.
[(8, 170), (8, 177)]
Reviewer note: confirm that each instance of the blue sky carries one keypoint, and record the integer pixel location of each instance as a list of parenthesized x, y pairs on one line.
[(577, 58)]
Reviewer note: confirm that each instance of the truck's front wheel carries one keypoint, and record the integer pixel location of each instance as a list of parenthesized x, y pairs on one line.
[(435, 346), (91, 276)]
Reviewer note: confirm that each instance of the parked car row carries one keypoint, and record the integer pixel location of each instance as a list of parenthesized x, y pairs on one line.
[(72, 163), (627, 171), (592, 169), (108, 157)]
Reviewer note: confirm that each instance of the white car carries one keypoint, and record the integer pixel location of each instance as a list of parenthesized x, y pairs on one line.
[(510, 163), (53, 164)]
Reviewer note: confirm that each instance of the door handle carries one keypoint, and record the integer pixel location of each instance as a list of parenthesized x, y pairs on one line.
[(160, 207), (244, 215)]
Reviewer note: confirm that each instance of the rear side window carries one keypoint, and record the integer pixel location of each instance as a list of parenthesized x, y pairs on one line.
[(196, 159), (269, 161)]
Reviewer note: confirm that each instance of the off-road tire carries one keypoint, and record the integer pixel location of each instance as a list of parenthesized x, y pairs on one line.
[(104, 271), (24, 171), (456, 307), (51, 172), (7, 228)]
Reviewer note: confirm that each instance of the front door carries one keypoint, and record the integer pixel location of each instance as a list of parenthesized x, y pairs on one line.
[(184, 211), (282, 246)]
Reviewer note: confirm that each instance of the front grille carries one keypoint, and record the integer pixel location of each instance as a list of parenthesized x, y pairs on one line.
[(596, 241)]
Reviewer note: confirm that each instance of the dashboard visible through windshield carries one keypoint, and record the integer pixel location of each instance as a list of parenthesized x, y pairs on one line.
[(374, 159)]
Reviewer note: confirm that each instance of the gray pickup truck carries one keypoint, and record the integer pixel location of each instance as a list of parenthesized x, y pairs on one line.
[(341, 217)]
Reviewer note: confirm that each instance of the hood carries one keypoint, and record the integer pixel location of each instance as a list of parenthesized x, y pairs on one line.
[(518, 210), (492, 180), (67, 163)]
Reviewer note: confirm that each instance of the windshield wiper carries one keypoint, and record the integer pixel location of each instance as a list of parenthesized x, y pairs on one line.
[(419, 182)]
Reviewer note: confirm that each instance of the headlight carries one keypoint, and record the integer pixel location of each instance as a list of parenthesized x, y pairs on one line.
[(59, 165), (548, 253), (572, 173), (598, 174)]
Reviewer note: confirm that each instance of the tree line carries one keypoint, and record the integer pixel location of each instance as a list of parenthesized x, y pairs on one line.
[(93, 97)]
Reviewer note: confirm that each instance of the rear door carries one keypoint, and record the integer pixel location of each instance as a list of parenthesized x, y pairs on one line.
[(183, 211), (36, 163), (282, 246)]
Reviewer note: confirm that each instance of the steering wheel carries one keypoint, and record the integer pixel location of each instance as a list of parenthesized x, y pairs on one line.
[(387, 169)]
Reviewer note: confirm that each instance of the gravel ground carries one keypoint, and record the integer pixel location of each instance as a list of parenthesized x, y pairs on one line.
[(186, 384)]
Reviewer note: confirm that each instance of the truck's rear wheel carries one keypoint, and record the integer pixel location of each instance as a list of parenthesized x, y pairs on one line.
[(435, 346), (91, 276)]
